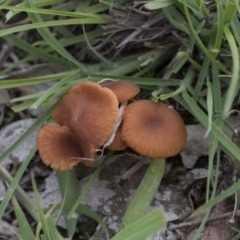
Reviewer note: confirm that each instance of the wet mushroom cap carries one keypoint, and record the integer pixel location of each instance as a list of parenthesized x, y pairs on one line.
[(90, 112), (118, 144), (123, 90), (153, 129), (58, 148)]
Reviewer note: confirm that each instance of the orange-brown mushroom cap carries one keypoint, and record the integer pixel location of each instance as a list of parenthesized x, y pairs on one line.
[(123, 90), (59, 149), (118, 144), (90, 112), (153, 129)]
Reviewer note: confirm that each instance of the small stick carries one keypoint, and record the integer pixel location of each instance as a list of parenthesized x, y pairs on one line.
[(194, 223), (231, 220), (118, 122), (108, 79), (235, 229), (132, 170)]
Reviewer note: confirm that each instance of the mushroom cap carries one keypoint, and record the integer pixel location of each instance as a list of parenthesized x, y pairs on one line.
[(59, 148), (153, 129), (90, 112), (123, 90), (118, 144)]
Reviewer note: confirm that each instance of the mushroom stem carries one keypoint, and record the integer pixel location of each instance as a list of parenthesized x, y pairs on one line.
[(118, 122)]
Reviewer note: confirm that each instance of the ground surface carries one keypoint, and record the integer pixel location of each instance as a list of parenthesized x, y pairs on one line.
[(179, 193)]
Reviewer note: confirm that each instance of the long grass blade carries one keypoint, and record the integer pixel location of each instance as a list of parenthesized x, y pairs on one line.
[(234, 86), (143, 226), (25, 228), (13, 185), (144, 194), (90, 183)]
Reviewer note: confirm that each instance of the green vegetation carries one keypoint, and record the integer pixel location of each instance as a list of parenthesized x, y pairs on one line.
[(204, 79)]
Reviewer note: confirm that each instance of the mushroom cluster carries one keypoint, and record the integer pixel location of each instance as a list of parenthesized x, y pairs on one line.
[(92, 115)]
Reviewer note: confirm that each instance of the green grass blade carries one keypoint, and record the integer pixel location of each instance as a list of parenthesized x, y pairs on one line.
[(178, 21), (49, 12), (50, 39), (54, 233), (235, 25), (237, 237), (68, 186), (230, 12), (180, 62), (229, 147), (27, 97), (217, 98), (90, 183), (15, 65), (43, 219), (81, 209), (220, 27), (202, 225), (11, 83), (100, 7), (38, 25), (234, 86), (158, 4), (144, 194), (200, 43), (185, 83), (227, 193), (96, 54), (23, 106), (72, 76), (34, 51), (209, 106), (143, 226), (203, 8), (83, 5), (25, 228), (65, 42), (212, 150), (201, 79), (188, 58), (13, 186)]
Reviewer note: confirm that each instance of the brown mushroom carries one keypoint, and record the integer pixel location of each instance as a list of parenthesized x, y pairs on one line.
[(123, 90), (90, 112), (59, 148), (153, 129)]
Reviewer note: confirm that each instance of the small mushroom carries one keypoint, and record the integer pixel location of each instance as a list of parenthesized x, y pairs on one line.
[(123, 90), (153, 129), (118, 144), (90, 112), (59, 148)]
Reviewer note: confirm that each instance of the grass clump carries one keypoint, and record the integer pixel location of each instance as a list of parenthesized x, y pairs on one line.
[(194, 59)]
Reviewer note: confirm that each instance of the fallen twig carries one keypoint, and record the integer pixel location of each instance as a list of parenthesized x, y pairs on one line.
[(194, 223)]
